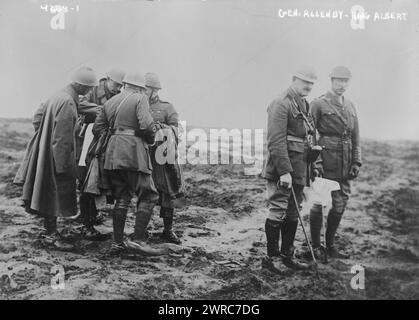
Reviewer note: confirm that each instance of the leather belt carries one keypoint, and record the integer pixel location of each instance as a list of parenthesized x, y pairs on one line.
[(343, 136), (125, 132), (295, 139)]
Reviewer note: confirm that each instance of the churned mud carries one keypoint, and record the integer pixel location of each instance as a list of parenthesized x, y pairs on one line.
[(222, 228)]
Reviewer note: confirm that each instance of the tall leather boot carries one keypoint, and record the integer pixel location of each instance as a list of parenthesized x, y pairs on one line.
[(316, 221), (168, 235), (273, 260), (139, 245), (289, 228), (333, 221), (119, 216), (88, 211), (272, 230), (142, 219)]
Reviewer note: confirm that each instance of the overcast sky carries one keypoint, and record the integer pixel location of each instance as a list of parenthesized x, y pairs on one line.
[(220, 62)]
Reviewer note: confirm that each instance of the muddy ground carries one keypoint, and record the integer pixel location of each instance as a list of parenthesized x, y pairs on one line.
[(222, 229)]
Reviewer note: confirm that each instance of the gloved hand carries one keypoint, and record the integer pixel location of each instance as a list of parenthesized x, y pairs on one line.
[(353, 171), (285, 181)]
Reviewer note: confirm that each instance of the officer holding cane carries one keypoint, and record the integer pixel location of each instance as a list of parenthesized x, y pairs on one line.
[(290, 129)]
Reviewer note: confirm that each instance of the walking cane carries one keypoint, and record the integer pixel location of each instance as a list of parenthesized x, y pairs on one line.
[(305, 233), (323, 248)]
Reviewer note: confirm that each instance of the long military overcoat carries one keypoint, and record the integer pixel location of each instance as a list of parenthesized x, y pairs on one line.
[(48, 170)]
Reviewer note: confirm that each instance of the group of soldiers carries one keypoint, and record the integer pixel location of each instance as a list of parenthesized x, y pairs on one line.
[(296, 130), (119, 158)]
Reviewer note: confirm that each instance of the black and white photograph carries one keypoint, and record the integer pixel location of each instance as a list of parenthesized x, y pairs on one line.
[(224, 151)]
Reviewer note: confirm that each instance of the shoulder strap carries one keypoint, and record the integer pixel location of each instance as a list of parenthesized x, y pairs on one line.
[(308, 125), (112, 122), (337, 112)]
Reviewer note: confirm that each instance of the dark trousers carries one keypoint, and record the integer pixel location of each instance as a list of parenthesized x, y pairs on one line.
[(88, 210)]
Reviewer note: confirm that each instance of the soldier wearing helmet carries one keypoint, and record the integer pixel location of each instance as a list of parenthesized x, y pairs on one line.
[(167, 175), (106, 89), (89, 106), (290, 128), (126, 119), (337, 123), (48, 171), (108, 86)]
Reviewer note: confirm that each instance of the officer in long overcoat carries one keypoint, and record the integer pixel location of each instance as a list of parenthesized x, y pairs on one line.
[(167, 175), (48, 170)]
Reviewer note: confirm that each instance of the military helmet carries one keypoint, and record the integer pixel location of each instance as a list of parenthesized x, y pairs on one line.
[(134, 78), (85, 76), (306, 73), (152, 80), (341, 72), (116, 75)]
